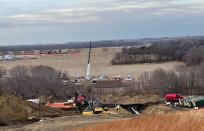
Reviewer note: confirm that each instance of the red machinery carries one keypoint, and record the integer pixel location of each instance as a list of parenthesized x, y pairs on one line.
[(172, 97), (79, 102)]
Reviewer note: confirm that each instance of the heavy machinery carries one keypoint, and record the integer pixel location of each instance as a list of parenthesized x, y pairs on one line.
[(92, 108), (172, 99), (192, 102), (187, 102), (87, 107), (80, 104)]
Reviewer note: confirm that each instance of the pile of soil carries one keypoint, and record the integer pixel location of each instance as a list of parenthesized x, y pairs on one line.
[(16, 110), (45, 111), (126, 99), (158, 109)]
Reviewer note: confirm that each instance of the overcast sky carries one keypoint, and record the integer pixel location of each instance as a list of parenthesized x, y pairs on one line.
[(58, 21)]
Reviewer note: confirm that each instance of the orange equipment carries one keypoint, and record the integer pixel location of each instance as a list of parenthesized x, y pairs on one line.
[(62, 105)]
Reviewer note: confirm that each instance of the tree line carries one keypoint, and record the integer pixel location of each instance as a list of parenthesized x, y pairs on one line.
[(184, 80), (69, 45), (47, 83), (44, 81), (189, 51)]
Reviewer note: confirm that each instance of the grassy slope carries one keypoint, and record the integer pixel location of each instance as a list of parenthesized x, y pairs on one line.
[(181, 121)]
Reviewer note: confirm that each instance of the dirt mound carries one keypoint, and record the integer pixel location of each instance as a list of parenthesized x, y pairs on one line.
[(158, 109), (44, 111), (16, 110), (126, 99)]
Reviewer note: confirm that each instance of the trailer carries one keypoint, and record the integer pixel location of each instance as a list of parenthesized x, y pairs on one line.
[(186, 102), (194, 102)]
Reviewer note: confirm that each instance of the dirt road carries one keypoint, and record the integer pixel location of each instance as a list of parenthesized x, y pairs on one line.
[(65, 123)]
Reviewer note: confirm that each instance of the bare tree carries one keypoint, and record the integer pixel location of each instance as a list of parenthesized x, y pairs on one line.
[(19, 81), (2, 73)]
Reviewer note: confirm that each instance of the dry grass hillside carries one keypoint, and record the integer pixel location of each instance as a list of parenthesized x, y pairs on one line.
[(75, 64), (14, 108), (180, 121)]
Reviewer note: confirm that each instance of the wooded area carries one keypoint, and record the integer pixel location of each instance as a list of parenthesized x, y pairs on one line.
[(44, 81), (189, 51)]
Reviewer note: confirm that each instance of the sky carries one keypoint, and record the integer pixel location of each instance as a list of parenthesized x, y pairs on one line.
[(58, 21)]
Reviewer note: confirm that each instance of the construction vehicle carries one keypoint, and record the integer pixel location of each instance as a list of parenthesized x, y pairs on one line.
[(98, 110), (95, 110), (188, 102), (117, 78), (192, 102), (172, 99), (129, 78), (80, 104), (89, 107), (92, 108)]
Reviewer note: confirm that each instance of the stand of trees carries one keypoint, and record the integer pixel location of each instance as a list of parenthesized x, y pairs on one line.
[(34, 82), (184, 80), (44, 81), (191, 52)]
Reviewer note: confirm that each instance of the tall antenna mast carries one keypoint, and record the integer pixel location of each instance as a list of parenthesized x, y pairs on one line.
[(89, 58), (88, 71)]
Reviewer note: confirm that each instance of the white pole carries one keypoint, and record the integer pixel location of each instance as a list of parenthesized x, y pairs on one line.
[(88, 72)]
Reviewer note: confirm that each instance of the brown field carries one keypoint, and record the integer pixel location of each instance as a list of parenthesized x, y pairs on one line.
[(75, 64), (180, 121)]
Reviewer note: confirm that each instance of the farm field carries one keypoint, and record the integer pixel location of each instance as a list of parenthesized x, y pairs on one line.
[(75, 64)]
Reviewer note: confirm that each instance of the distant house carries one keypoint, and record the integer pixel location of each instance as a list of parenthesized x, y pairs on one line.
[(9, 57), (1, 57)]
